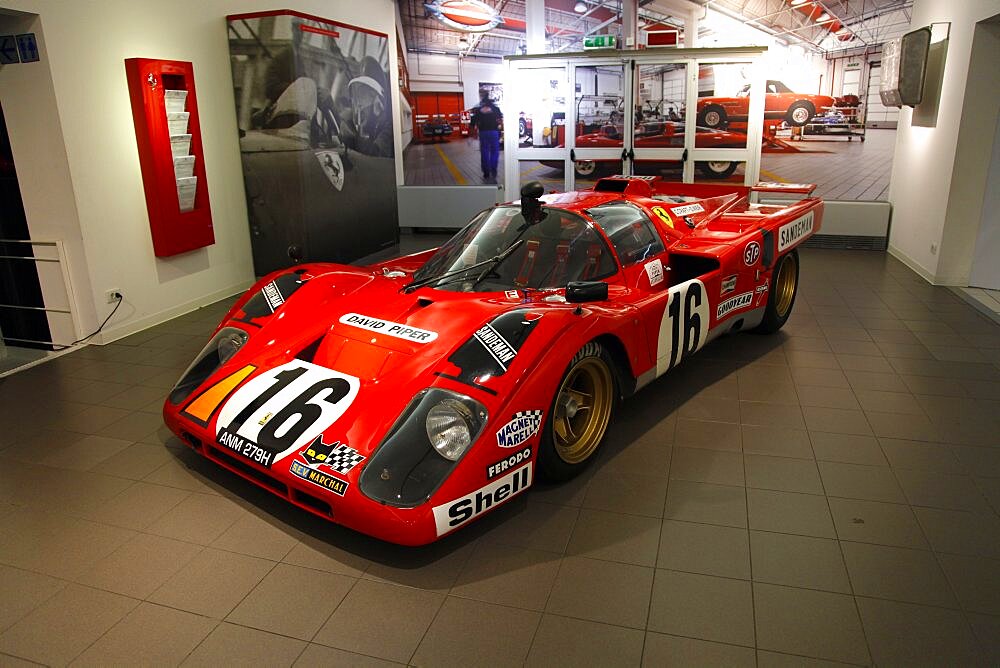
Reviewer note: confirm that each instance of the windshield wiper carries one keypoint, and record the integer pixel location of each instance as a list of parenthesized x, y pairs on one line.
[(492, 262)]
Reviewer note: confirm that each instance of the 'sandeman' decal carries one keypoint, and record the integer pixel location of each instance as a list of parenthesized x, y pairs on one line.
[(493, 347), (791, 233), (733, 304), (521, 427), (455, 513), (414, 334), (273, 296)]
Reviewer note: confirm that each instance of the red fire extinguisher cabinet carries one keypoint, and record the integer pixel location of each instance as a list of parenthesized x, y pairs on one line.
[(163, 97)]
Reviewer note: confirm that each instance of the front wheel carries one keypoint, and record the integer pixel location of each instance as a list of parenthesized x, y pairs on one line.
[(579, 414), (799, 114), (712, 116), (781, 297), (585, 168)]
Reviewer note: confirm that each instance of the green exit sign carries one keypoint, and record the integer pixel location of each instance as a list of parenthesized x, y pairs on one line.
[(599, 42)]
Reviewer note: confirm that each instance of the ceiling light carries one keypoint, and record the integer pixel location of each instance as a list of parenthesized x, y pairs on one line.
[(823, 18), (579, 8), (796, 3)]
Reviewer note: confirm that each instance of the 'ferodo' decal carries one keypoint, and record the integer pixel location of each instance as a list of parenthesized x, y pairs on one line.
[(791, 233), (684, 326), (455, 513), (504, 465), (280, 411), (414, 334)]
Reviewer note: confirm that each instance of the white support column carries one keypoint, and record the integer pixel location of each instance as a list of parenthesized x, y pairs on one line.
[(630, 23), (534, 18), (691, 28)]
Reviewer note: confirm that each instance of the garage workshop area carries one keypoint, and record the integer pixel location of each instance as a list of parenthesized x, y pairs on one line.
[(500, 333)]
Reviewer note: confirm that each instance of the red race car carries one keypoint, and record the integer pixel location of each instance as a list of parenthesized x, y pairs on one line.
[(408, 398), (779, 103), (656, 134)]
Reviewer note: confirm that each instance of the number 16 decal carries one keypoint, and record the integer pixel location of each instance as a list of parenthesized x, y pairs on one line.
[(684, 327), (284, 409)]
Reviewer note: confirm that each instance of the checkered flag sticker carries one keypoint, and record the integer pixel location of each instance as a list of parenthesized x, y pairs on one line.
[(344, 458)]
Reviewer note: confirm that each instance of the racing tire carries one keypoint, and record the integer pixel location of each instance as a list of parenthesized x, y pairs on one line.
[(579, 415), (717, 169), (781, 293), (585, 168), (713, 116), (799, 114), (522, 127)]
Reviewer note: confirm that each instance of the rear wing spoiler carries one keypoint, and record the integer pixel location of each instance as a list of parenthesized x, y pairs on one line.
[(785, 188)]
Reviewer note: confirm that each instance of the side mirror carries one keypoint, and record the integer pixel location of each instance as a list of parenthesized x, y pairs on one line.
[(530, 206), (578, 292)]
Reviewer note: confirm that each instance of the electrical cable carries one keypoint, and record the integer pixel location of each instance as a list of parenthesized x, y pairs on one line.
[(97, 331)]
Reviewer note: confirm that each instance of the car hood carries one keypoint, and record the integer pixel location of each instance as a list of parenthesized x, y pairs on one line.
[(396, 344)]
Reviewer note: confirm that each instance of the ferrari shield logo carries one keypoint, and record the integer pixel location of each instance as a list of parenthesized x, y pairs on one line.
[(333, 167)]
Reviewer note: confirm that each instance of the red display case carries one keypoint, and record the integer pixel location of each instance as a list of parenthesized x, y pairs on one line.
[(165, 112)]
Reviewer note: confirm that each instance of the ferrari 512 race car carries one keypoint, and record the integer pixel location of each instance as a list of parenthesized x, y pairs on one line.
[(408, 398)]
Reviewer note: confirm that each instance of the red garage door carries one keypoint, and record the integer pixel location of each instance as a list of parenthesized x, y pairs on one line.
[(432, 105)]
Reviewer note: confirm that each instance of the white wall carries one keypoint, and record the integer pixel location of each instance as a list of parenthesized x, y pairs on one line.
[(922, 188), (86, 44)]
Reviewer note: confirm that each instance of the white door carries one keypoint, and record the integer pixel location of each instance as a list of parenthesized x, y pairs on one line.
[(985, 268)]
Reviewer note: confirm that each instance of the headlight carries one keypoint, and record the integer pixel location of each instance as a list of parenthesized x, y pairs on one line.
[(449, 428), (219, 350), (431, 435)]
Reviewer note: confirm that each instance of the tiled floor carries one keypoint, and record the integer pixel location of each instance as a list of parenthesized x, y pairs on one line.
[(849, 170), (828, 493)]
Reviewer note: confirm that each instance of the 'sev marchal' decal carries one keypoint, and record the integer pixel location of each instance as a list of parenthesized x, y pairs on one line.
[(280, 411), (684, 326), (455, 513), (733, 304), (791, 233), (521, 427), (405, 332)]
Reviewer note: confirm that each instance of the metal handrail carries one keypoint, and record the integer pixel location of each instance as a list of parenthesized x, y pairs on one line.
[(63, 263)]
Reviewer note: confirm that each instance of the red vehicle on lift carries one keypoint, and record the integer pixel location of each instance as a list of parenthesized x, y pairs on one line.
[(656, 134), (406, 399), (780, 103)]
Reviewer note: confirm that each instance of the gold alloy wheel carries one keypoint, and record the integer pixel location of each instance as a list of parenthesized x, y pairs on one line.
[(582, 410), (785, 285)]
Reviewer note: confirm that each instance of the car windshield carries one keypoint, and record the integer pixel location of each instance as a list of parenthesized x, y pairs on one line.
[(560, 248), (777, 87)]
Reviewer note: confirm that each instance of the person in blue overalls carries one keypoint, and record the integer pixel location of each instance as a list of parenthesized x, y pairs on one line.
[(487, 119)]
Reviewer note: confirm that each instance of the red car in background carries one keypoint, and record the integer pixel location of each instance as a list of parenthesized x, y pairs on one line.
[(779, 103), (656, 134)]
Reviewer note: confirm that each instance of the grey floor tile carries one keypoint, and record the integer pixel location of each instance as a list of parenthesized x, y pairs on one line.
[(783, 473), (702, 606), (199, 518), (776, 442), (632, 493), (897, 573), (836, 420), (137, 507), (561, 641), (381, 620), (292, 601), (904, 634), (322, 656), (711, 408), (705, 434), (986, 628), (213, 583), (789, 512), (667, 650), (504, 645), (539, 526), (518, 577), (134, 462), (149, 635), (976, 581), (798, 561), (258, 536), (229, 644), (22, 591), (316, 553), (876, 522), (828, 397), (704, 548), (771, 415), (811, 623), (713, 466), (630, 539), (899, 425), (847, 448), (710, 504), (140, 566), (602, 591), (766, 659), (921, 456), (81, 614), (437, 568), (889, 402), (961, 532), (942, 490), (856, 481)]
